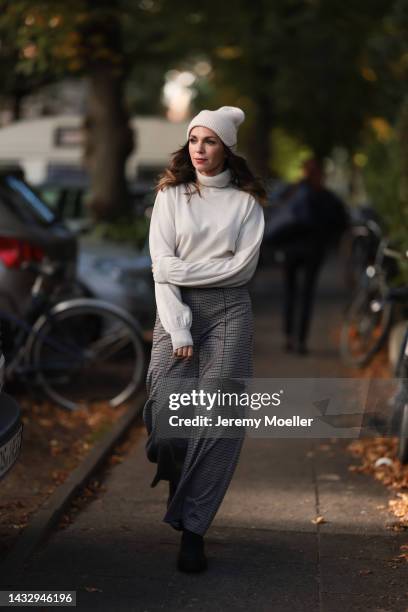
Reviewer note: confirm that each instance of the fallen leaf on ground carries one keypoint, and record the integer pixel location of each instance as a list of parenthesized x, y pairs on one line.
[(318, 520), (378, 456)]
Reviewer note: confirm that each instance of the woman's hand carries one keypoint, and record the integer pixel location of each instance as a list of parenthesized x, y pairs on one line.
[(184, 352)]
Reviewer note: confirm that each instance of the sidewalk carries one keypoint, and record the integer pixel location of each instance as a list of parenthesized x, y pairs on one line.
[(264, 551)]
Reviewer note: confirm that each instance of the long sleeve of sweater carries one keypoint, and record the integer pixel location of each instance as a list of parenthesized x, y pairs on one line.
[(226, 271), (175, 316)]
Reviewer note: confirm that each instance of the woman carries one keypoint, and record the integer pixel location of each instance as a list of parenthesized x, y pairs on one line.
[(205, 233)]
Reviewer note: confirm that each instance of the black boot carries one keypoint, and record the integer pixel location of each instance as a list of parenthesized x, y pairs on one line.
[(191, 557)]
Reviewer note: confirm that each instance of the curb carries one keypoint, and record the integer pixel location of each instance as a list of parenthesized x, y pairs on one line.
[(48, 514)]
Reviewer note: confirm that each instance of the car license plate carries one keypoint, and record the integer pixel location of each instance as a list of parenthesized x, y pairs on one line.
[(9, 451)]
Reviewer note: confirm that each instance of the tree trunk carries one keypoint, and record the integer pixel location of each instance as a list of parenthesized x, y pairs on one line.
[(261, 76), (259, 140), (108, 137), (108, 142)]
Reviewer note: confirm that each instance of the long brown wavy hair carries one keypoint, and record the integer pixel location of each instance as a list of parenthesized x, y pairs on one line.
[(181, 171)]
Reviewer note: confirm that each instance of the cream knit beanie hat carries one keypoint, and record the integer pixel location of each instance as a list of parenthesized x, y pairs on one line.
[(224, 122)]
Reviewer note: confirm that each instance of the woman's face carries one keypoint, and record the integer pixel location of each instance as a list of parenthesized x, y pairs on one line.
[(206, 151)]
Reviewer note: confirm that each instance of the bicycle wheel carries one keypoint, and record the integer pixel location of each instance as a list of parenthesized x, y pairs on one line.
[(366, 325), (86, 351), (359, 260)]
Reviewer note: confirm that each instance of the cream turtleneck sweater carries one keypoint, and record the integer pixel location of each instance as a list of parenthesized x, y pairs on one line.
[(213, 240)]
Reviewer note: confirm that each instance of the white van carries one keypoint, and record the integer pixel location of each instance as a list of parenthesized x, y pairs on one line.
[(51, 147)]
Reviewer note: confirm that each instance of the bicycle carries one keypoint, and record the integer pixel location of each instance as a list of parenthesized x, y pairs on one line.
[(399, 420), (77, 350), (369, 316), (361, 247), (398, 424)]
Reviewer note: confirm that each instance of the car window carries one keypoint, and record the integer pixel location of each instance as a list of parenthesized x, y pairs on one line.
[(27, 198)]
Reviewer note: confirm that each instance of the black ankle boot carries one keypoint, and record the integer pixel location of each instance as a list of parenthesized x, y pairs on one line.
[(191, 557)]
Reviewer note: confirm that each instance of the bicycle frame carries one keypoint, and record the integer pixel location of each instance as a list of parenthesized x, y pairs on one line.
[(18, 353), (403, 354), (24, 341), (30, 333), (77, 355), (78, 303)]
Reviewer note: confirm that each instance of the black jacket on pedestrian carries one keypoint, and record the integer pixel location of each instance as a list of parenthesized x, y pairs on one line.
[(322, 214)]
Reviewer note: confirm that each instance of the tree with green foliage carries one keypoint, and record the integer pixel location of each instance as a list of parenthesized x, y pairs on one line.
[(84, 38), (301, 66), (111, 43), (296, 65), (386, 142)]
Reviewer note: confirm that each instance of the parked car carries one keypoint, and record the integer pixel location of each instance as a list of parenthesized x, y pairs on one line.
[(67, 195), (119, 273), (30, 229), (29, 232)]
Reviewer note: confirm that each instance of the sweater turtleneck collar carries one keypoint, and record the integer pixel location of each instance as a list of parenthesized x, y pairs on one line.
[(222, 179)]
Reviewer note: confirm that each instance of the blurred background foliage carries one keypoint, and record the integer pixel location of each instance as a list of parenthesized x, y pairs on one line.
[(311, 75)]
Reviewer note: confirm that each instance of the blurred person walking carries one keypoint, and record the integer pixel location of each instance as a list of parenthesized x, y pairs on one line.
[(206, 230), (324, 218)]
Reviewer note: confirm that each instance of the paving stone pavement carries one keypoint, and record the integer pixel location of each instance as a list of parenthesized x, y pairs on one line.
[(264, 551)]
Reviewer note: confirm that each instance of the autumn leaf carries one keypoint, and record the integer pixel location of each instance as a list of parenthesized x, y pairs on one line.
[(318, 520)]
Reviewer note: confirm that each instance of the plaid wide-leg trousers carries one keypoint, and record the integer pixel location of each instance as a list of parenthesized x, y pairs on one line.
[(222, 331)]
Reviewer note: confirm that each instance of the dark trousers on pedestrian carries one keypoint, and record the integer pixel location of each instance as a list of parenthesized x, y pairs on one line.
[(301, 272)]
